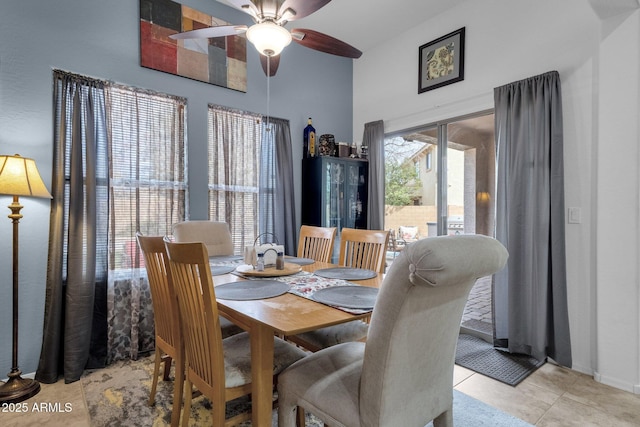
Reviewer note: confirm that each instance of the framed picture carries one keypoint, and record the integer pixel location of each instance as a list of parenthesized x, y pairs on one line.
[(221, 61), (441, 61)]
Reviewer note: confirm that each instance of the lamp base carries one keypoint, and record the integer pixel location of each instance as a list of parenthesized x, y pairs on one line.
[(17, 389)]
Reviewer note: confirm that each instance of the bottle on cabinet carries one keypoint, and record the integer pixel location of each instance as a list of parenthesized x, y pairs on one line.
[(310, 148)]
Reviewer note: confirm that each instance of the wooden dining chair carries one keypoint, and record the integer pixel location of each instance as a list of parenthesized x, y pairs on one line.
[(316, 242), (363, 248), (166, 319), (217, 238), (219, 368), (359, 249), (402, 375)]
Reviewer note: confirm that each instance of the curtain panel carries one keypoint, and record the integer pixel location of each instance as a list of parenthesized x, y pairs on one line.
[(373, 137), (74, 335), (277, 196), (530, 294)]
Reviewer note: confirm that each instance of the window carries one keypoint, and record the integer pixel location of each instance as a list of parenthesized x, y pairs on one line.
[(148, 177), (140, 171), (234, 172), (459, 162), (250, 177)]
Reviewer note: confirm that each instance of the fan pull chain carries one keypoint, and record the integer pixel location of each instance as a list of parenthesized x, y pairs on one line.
[(267, 127)]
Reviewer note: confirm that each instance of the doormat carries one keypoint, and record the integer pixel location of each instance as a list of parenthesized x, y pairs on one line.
[(478, 355)]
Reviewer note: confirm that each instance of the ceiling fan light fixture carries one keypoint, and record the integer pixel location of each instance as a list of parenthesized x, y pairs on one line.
[(269, 38)]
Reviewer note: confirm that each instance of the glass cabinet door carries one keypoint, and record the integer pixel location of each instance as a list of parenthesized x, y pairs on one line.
[(334, 191), (355, 196), (346, 194)]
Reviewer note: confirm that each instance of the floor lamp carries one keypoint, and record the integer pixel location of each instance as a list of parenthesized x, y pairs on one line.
[(18, 177)]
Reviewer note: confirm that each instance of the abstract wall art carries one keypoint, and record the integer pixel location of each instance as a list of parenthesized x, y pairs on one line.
[(221, 61)]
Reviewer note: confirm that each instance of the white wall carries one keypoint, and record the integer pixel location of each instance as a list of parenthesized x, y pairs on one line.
[(597, 59), (100, 38), (618, 189)]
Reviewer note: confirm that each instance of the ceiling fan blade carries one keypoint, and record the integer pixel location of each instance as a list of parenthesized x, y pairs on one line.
[(272, 67), (295, 9), (207, 33), (246, 6), (324, 43)]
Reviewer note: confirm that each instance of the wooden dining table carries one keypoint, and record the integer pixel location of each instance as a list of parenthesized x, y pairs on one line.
[(283, 316)]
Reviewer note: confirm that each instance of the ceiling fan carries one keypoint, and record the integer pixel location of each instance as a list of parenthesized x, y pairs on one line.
[(268, 34)]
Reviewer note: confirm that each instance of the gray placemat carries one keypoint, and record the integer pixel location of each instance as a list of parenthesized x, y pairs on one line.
[(219, 259), (217, 270), (251, 290), (299, 261), (346, 273), (347, 296)]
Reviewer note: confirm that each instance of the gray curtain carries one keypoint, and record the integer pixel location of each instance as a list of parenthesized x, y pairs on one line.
[(373, 137), (277, 196), (74, 331), (530, 294)]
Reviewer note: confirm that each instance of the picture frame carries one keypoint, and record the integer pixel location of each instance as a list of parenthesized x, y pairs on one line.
[(220, 61), (441, 61)]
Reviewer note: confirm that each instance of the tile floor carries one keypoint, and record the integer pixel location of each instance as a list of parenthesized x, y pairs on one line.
[(551, 397)]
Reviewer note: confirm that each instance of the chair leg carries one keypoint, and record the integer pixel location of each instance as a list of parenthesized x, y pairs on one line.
[(218, 412), (167, 367), (178, 388), (286, 409), (445, 419), (154, 382), (186, 411), (300, 419)]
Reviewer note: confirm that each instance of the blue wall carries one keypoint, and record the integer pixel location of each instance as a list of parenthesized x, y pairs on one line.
[(100, 39)]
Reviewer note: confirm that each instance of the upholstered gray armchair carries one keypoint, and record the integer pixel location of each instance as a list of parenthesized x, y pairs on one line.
[(403, 375), (214, 234)]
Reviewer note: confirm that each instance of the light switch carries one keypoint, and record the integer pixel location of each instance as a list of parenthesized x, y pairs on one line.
[(574, 216)]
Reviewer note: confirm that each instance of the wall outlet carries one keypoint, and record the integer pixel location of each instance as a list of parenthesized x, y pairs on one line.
[(575, 216)]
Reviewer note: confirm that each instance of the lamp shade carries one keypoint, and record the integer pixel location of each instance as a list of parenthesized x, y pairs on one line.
[(19, 176), (269, 38), (483, 197)]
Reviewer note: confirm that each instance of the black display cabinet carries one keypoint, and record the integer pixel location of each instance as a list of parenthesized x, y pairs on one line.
[(334, 193)]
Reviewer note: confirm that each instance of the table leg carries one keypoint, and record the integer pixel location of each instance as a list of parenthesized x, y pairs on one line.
[(261, 375)]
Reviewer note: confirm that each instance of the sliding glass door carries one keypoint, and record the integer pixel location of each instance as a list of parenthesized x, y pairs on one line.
[(440, 180), (441, 177)]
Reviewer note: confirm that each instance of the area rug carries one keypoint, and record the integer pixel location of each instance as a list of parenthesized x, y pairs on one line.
[(478, 355), (118, 394)]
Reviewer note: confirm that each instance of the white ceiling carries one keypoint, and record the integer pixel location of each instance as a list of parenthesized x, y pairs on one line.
[(367, 23)]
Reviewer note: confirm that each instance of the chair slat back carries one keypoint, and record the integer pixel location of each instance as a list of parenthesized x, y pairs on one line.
[(165, 303), (199, 312), (363, 248), (316, 242)]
